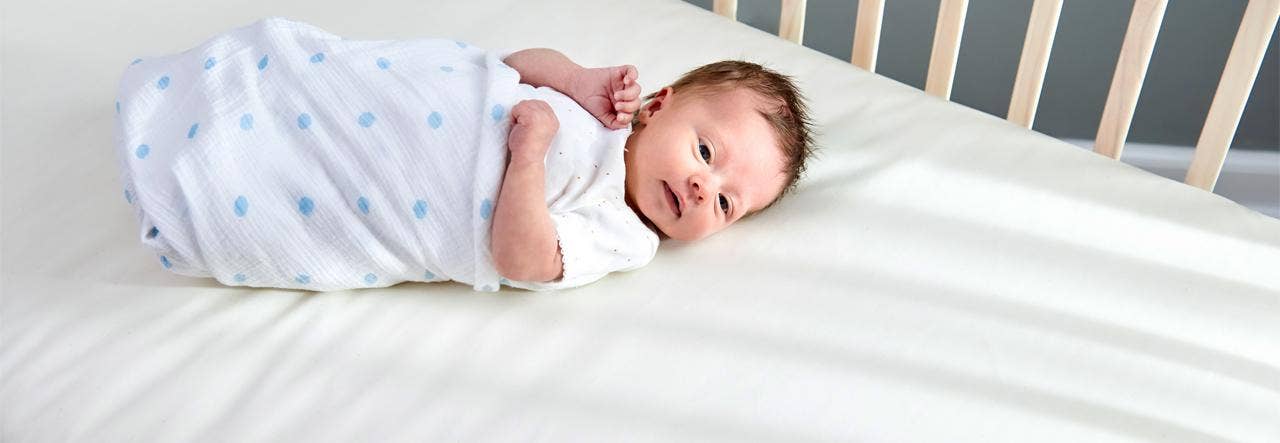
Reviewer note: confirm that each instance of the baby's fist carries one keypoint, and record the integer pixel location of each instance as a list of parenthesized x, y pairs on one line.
[(533, 127), (610, 94)]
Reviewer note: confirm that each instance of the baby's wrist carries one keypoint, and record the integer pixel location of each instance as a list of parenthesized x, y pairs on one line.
[(573, 85), (521, 160)]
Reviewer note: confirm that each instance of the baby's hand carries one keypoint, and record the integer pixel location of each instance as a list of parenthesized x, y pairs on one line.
[(610, 94), (533, 127)]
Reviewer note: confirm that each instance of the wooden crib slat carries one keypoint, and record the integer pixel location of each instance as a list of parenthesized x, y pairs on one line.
[(727, 8), (1131, 70), (946, 48), (1233, 92), (1041, 28), (791, 21), (866, 38)]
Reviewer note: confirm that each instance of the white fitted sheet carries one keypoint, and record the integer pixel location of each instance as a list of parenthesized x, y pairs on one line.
[(940, 275)]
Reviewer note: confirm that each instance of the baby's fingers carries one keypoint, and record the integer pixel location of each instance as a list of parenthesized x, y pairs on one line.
[(630, 75), (615, 122), (623, 119), (631, 92), (624, 76), (628, 106)]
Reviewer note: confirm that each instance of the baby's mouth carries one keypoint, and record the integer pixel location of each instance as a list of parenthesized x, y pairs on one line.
[(671, 198)]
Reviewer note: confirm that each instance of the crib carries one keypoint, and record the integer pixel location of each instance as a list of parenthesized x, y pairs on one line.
[(940, 274), (1131, 69)]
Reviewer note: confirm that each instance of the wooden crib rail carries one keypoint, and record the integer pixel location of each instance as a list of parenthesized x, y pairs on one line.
[(791, 21), (1041, 29), (866, 34), (727, 8), (1130, 72), (1219, 129), (946, 48), (1233, 92)]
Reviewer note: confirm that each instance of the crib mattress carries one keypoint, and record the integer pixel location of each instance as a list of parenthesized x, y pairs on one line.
[(941, 275)]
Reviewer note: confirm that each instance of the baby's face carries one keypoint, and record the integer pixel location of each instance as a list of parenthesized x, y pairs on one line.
[(701, 163)]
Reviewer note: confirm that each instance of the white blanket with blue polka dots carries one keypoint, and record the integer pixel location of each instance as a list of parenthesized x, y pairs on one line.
[(280, 155)]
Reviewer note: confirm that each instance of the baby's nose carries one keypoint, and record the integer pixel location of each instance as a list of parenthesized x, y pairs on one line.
[(697, 191)]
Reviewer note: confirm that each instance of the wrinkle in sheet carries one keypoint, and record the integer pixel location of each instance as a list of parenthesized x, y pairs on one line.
[(915, 371)]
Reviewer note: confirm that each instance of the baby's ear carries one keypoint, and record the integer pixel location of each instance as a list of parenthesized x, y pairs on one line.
[(656, 101)]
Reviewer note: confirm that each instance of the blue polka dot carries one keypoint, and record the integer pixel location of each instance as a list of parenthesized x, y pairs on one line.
[(142, 151), (370, 278), (163, 82), (504, 281), (117, 107), (165, 261), (384, 63), (461, 44), (262, 64), (435, 120), (306, 206), (420, 209), (319, 57), (246, 121), (429, 275), (363, 204), (497, 112), (136, 61), (153, 232), (304, 121), (240, 278), (128, 196), (241, 206), (366, 119), (191, 133), (486, 209), (208, 64), (302, 278), (446, 68)]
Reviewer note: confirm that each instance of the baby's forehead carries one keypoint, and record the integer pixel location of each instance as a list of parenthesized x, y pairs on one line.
[(736, 97), (739, 117)]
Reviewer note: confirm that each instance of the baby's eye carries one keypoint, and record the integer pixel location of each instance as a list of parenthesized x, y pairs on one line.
[(702, 147), (724, 204)]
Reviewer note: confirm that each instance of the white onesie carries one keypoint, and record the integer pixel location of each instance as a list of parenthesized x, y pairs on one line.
[(280, 155)]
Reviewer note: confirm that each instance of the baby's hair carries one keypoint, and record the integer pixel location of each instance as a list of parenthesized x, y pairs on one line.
[(789, 115)]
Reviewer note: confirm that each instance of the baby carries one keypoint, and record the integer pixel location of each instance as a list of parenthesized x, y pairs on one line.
[(279, 155)]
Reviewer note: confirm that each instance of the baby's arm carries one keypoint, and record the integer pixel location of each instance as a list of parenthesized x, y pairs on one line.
[(544, 67), (525, 245), (611, 94)]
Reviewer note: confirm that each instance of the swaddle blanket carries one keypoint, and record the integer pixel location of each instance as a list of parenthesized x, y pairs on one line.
[(280, 155)]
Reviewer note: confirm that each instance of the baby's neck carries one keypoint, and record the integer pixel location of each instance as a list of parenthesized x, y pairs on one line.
[(628, 154)]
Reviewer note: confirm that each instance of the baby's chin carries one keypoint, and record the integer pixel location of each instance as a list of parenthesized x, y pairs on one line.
[(662, 234), (675, 234)]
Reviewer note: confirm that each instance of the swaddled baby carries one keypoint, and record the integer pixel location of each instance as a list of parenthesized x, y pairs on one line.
[(279, 155)]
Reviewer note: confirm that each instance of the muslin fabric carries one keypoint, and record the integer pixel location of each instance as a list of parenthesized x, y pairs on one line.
[(280, 155)]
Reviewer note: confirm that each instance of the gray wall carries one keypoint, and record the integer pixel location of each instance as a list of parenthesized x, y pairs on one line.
[(1190, 53)]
